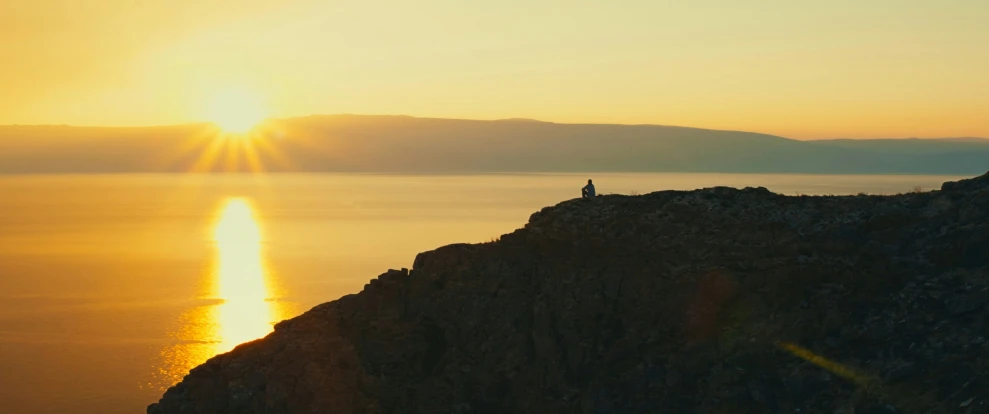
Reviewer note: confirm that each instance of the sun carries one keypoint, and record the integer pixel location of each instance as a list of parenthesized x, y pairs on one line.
[(236, 111)]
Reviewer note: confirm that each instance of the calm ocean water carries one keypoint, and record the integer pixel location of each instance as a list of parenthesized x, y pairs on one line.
[(112, 287)]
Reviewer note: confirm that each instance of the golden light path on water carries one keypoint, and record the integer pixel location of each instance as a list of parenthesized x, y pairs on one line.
[(245, 314), (237, 305)]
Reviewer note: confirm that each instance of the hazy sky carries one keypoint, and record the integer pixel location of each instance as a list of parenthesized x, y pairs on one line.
[(805, 69)]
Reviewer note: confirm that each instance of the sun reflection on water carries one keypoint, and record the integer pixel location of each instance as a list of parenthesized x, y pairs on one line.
[(237, 304), (245, 314)]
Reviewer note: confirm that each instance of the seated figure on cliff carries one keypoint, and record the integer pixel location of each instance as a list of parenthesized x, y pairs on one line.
[(588, 190)]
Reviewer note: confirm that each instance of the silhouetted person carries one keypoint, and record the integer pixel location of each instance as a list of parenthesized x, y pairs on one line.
[(588, 190)]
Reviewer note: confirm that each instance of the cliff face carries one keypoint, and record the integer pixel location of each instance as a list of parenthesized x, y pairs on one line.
[(712, 301)]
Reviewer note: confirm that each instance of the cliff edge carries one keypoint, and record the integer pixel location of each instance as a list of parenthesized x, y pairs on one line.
[(709, 301)]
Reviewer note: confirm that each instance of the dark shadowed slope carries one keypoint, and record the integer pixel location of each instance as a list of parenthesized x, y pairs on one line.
[(716, 300), (399, 144)]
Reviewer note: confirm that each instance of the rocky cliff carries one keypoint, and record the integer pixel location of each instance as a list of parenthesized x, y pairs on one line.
[(710, 301)]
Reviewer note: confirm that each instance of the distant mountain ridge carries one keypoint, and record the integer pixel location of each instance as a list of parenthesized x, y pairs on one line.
[(404, 144)]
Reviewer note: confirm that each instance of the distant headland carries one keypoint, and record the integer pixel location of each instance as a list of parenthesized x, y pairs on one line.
[(403, 144)]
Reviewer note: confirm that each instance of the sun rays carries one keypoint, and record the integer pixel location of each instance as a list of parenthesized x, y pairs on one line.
[(214, 150), (236, 137)]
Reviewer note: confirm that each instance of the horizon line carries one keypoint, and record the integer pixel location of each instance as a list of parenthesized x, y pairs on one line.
[(511, 119)]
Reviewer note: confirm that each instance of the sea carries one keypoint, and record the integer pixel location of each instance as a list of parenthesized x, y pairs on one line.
[(113, 286)]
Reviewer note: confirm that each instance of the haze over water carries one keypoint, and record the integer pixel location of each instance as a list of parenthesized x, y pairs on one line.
[(113, 286)]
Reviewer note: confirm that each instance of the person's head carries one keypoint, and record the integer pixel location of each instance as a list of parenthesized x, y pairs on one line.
[(589, 181)]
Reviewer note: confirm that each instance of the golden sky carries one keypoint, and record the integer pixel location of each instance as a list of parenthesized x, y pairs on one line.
[(803, 69)]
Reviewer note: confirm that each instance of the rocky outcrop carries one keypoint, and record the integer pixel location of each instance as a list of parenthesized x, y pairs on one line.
[(710, 301)]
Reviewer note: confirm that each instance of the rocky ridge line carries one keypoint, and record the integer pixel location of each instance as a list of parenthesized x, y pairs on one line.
[(709, 301)]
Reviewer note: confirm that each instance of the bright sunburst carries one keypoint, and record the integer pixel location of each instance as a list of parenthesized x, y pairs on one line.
[(236, 111), (240, 138)]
